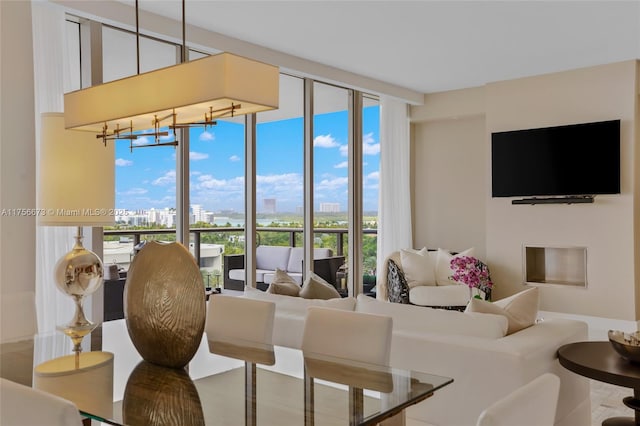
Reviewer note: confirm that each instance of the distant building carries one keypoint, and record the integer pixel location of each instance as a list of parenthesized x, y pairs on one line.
[(154, 216), (269, 205), (329, 207), (197, 211)]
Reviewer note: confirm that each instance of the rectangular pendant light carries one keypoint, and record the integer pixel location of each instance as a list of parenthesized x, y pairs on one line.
[(192, 90)]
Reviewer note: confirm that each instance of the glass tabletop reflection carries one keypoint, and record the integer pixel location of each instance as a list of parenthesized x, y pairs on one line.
[(236, 382)]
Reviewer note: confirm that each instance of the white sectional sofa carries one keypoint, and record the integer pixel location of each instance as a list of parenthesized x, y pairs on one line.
[(469, 347)]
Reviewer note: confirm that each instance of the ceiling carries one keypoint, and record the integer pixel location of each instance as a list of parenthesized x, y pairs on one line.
[(428, 46)]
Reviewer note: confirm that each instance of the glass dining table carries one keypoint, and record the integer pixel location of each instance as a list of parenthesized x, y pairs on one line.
[(237, 382)]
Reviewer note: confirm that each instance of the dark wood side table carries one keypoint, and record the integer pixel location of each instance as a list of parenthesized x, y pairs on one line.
[(599, 361)]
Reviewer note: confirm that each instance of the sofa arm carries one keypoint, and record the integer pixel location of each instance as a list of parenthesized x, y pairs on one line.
[(484, 370), (327, 268), (233, 261)]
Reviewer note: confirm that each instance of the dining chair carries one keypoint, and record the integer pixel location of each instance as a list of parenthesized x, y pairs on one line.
[(22, 405), (347, 334), (533, 404), (231, 317)]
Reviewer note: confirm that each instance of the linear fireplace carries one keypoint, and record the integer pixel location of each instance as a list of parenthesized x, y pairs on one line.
[(565, 266)]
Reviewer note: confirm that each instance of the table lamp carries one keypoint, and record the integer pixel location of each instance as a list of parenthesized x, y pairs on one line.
[(89, 383), (76, 188)]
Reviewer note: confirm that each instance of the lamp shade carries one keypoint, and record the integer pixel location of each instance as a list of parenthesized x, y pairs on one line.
[(89, 385), (77, 176), (191, 89)]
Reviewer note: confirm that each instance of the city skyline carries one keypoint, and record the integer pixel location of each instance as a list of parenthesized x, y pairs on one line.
[(145, 178)]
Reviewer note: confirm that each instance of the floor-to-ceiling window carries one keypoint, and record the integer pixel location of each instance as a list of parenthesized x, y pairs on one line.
[(280, 167), (370, 182), (330, 158), (146, 179)]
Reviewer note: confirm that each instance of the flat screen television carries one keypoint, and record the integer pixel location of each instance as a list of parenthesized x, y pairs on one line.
[(573, 160)]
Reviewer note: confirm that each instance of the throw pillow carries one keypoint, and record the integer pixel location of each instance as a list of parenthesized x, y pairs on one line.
[(418, 267), (396, 284), (443, 265), (283, 284), (521, 309), (315, 287)]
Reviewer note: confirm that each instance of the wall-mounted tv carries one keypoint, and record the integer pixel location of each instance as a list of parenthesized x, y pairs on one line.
[(578, 159)]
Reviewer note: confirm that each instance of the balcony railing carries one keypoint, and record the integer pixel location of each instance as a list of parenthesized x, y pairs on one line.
[(197, 232)]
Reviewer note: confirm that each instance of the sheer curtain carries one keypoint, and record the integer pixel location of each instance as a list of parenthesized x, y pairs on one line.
[(49, 51), (394, 210)]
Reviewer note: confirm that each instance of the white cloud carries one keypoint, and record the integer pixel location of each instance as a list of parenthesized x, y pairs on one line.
[(195, 156), (121, 162), (234, 158), (369, 145), (283, 187), (195, 173), (166, 179), (209, 182), (368, 138), (332, 184), (207, 136), (134, 191), (143, 140), (373, 176), (342, 165), (325, 141)]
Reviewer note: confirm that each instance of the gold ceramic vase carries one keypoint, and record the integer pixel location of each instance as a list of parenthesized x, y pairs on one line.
[(164, 304)]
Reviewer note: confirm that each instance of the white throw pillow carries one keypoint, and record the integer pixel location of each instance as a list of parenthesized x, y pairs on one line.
[(421, 320), (283, 284), (443, 265), (418, 267), (521, 309), (317, 288)]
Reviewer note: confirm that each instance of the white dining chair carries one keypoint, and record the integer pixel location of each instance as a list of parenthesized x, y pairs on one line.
[(346, 334), (533, 404), (21, 405), (231, 317)]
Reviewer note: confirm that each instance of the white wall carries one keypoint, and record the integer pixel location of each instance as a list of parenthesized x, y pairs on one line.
[(448, 174), (606, 227), (17, 148)]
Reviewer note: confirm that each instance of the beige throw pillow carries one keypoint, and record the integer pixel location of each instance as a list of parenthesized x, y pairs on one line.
[(443, 265), (418, 267), (521, 309), (283, 284), (315, 287)]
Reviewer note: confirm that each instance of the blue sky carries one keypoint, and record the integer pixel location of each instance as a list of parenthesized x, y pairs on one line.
[(146, 178)]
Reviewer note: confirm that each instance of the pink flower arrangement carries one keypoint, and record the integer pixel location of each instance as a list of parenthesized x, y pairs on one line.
[(472, 272)]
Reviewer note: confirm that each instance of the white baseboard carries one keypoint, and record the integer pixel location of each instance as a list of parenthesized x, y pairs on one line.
[(598, 326)]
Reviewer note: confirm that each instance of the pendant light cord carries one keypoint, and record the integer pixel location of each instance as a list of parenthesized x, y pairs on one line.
[(137, 40), (184, 33)]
